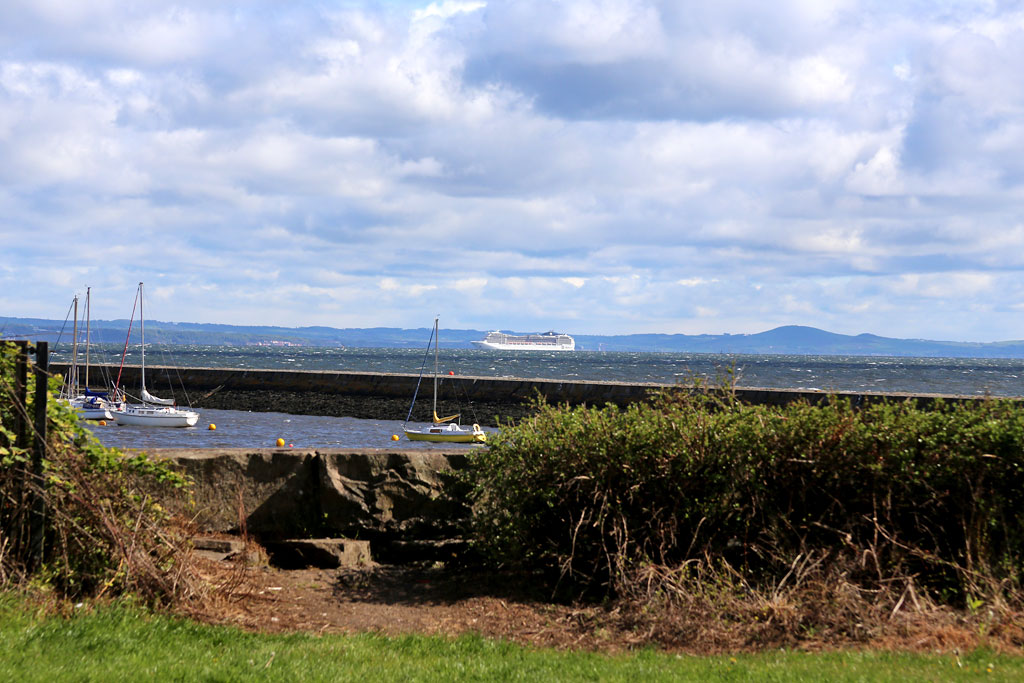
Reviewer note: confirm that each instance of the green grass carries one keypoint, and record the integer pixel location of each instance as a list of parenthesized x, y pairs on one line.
[(119, 642)]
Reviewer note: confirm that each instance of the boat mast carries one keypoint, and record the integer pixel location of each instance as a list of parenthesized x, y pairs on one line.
[(88, 320), (435, 367), (142, 330), (74, 354)]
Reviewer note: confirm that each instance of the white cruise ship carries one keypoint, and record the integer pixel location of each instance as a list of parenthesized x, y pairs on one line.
[(549, 341)]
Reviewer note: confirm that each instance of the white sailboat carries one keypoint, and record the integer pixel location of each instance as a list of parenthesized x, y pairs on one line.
[(90, 405), (443, 429), (153, 411)]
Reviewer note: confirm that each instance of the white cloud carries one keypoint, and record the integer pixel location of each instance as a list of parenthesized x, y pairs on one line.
[(879, 175), (836, 164)]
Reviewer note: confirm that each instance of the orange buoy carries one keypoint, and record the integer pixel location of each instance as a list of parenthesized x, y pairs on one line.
[(212, 427), (103, 423)]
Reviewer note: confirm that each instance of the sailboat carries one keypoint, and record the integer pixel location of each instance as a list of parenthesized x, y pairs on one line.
[(90, 405), (443, 429), (153, 411)]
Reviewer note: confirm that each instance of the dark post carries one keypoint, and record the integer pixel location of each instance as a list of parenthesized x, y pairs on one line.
[(42, 372), (21, 395), (42, 375)]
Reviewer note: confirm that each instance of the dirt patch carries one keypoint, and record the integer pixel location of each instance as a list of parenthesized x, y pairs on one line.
[(401, 600), (393, 601)]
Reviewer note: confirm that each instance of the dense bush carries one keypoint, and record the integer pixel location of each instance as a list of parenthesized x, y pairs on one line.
[(883, 493), (102, 531)]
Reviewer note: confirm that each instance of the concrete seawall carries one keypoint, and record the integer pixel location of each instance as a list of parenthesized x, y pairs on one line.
[(387, 395), (407, 504)]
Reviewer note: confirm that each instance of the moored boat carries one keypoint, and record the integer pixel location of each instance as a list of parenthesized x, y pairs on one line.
[(153, 411), (442, 429), (155, 416), (90, 405)]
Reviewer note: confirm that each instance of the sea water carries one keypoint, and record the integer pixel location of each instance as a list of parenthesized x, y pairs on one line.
[(968, 376), (964, 376), (243, 429)]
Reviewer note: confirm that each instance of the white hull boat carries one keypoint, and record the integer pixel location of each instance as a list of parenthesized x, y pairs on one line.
[(154, 416), (153, 411), (92, 408), (89, 405)]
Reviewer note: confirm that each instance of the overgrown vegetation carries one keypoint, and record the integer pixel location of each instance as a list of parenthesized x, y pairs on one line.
[(87, 522), (795, 518)]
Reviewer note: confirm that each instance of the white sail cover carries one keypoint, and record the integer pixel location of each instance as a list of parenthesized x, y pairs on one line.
[(150, 398)]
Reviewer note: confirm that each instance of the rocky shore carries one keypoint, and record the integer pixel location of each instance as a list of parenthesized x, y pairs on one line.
[(486, 413)]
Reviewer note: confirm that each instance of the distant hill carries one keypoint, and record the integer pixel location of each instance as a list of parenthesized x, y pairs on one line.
[(786, 340), (802, 340)]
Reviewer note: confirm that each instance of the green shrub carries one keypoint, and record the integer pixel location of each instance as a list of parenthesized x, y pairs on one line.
[(102, 531), (890, 491)]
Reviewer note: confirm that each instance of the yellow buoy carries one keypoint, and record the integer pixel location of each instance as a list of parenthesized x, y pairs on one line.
[(212, 427), (394, 437), (103, 423), (280, 442)]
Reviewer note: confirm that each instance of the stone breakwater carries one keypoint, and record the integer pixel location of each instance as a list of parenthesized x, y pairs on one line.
[(408, 504), (386, 396)]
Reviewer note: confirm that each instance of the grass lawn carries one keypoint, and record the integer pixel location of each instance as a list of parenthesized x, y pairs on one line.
[(126, 643)]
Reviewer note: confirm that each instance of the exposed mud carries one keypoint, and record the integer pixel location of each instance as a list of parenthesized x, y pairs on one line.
[(358, 406)]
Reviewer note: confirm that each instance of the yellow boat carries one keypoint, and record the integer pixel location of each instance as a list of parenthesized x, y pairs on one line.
[(442, 430), (447, 433)]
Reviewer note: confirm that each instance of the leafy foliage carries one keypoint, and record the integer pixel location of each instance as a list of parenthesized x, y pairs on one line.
[(86, 522), (888, 492)]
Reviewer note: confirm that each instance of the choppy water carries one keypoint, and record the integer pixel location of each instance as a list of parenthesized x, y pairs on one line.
[(238, 429), (970, 376)]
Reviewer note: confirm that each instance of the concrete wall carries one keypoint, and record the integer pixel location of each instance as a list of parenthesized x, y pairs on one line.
[(406, 503)]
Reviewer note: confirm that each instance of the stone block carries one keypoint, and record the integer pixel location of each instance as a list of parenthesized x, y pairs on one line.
[(273, 492), (389, 493), (325, 553)]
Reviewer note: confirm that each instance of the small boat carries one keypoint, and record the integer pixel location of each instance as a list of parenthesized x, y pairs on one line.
[(443, 429), (93, 405), (155, 416), (90, 405), (153, 411)]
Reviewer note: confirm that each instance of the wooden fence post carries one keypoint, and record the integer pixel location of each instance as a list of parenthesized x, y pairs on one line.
[(38, 515), (42, 377)]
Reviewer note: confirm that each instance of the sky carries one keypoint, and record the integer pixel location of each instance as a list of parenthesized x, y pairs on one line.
[(589, 166)]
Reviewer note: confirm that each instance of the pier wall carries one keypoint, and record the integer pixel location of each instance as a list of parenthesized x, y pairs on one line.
[(388, 395), (407, 504)]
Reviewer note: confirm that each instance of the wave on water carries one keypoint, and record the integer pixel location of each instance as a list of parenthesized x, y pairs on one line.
[(967, 376)]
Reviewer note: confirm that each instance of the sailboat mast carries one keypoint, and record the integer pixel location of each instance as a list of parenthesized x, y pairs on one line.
[(88, 328), (74, 353), (142, 330), (435, 368)]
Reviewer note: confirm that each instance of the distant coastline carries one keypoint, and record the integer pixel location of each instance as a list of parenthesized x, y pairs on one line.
[(785, 340)]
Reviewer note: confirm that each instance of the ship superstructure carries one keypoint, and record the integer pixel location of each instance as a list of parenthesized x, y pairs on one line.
[(549, 341)]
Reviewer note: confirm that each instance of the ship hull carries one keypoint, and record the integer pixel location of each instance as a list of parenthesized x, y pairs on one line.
[(522, 347)]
